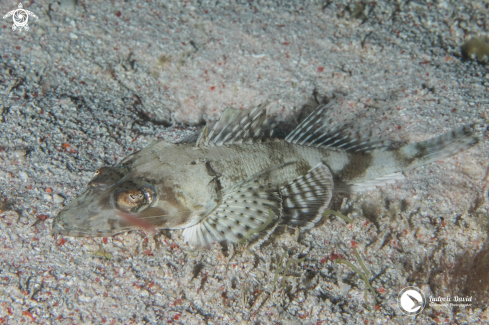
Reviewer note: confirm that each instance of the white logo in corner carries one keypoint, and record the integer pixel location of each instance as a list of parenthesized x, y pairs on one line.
[(411, 301), (20, 17)]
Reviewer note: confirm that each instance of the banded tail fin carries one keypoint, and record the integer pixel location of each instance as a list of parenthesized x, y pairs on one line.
[(445, 145), (381, 167)]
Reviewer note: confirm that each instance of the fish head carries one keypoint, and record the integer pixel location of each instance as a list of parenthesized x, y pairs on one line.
[(116, 201), (163, 186), (107, 176)]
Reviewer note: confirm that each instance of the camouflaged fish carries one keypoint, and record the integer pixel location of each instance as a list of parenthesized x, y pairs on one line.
[(224, 184)]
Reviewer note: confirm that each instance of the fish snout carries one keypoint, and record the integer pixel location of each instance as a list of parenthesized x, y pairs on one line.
[(91, 214)]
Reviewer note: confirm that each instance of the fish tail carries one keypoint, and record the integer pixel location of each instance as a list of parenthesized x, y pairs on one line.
[(445, 145), (381, 167)]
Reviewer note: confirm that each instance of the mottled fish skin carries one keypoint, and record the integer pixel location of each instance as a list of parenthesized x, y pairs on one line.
[(107, 176), (224, 185)]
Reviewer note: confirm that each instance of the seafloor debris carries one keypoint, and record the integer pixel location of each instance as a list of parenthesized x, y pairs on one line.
[(364, 276), (476, 48)]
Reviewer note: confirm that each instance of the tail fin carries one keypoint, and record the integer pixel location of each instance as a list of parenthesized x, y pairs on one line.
[(361, 162), (378, 168), (445, 145)]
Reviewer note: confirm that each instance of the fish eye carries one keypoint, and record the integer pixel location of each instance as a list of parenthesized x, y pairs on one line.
[(132, 200), (149, 193), (136, 197)]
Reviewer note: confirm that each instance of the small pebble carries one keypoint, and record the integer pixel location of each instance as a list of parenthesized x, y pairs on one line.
[(58, 199), (144, 293), (84, 299), (344, 288), (23, 175), (20, 154), (67, 6)]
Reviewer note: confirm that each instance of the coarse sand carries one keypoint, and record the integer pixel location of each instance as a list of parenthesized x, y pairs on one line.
[(91, 82)]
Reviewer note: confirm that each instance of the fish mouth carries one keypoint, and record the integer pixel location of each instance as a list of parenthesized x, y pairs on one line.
[(96, 214), (63, 228), (90, 215)]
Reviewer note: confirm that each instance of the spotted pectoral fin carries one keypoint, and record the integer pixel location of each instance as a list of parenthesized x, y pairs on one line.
[(244, 208), (235, 126), (306, 197)]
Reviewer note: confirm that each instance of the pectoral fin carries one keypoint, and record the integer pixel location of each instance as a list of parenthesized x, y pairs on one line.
[(243, 208), (306, 197)]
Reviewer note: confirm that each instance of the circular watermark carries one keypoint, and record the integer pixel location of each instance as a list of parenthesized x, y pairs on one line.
[(411, 301), (20, 17)]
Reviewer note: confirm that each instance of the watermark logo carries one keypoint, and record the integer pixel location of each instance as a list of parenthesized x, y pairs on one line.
[(411, 301), (450, 302), (20, 17)]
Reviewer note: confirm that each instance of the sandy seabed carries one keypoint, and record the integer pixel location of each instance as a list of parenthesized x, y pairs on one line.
[(90, 83)]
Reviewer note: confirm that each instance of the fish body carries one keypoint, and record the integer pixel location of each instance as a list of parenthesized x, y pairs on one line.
[(225, 184)]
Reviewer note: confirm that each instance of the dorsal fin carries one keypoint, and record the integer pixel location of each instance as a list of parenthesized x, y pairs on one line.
[(315, 131), (235, 126)]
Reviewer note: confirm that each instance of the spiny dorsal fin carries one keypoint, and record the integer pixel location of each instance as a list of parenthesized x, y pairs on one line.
[(315, 131), (235, 126), (203, 137), (306, 197)]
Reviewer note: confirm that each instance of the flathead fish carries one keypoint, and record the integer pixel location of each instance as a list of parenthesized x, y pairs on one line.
[(224, 185)]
